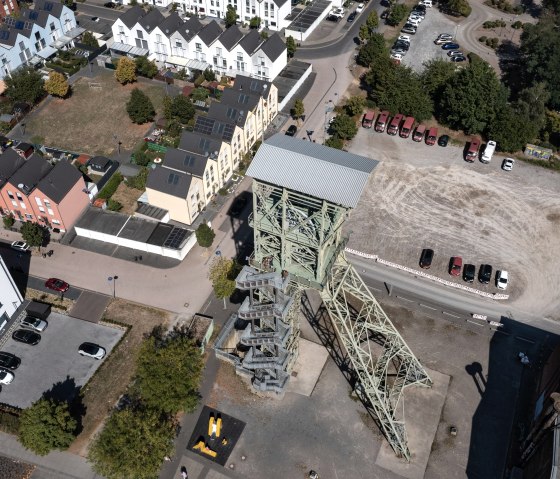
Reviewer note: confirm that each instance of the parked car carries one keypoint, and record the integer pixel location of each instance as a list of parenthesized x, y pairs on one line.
[(360, 8), (458, 59), (9, 360), (6, 377), (91, 350), (396, 56), (455, 53), (57, 285), (393, 128), (409, 28), (292, 130), (507, 164), (407, 127), (485, 273), (502, 279), (110, 5), (403, 38), (419, 133), (442, 41), (381, 122), (26, 336), (472, 152), (488, 152), (450, 46), (426, 3), (426, 258), (20, 246), (469, 271), (351, 17), (443, 140), (34, 323), (455, 265), (367, 120), (431, 136)]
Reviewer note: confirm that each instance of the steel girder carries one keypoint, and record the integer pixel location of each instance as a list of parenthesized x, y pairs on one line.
[(362, 329)]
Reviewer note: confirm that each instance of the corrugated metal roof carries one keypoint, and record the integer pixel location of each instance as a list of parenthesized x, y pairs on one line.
[(312, 169)]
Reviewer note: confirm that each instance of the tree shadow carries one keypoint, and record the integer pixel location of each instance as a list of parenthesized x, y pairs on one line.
[(510, 61), (475, 370), (68, 391), (239, 212)]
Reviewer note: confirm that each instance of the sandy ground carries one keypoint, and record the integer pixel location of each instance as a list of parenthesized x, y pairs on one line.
[(422, 196)]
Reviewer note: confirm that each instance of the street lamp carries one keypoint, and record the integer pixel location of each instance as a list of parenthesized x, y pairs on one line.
[(113, 279)]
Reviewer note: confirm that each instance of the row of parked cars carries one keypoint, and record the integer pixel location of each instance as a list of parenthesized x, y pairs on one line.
[(404, 126), (417, 15), (469, 270), (447, 42)]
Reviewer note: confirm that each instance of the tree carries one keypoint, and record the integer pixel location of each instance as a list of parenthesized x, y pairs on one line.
[(255, 22), (344, 127), (355, 105), (32, 234), (8, 221), (472, 98), (222, 273), (140, 108), (552, 5), (200, 94), (231, 16), (145, 67), (372, 21), (509, 130), (25, 85), (364, 33), (531, 107), (126, 71), (374, 49), (298, 110), (89, 40), (57, 85), (461, 7), (334, 142), (205, 235), (181, 108), (398, 14), (169, 372), (47, 425), (132, 444), (437, 73), (209, 74), (291, 46)]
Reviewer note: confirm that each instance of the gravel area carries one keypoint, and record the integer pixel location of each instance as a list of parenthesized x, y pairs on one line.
[(421, 196), (15, 469)]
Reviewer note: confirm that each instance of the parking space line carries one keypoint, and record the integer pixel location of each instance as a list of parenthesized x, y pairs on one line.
[(450, 314), (405, 299), (426, 306), (474, 322)]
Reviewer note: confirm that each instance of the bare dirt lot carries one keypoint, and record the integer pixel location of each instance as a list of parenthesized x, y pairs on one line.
[(421, 196), (127, 197), (90, 119)]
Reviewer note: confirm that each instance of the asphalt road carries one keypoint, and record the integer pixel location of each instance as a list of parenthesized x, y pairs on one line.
[(89, 10)]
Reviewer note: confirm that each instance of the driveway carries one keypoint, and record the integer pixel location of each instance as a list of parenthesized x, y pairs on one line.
[(54, 364)]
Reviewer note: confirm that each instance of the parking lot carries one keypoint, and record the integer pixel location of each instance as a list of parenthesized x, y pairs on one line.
[(55, 361), (429, 197)]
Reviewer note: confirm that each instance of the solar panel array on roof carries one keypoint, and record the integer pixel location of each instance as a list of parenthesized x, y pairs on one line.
[(173, 179), (19, 25), (33, 15), (48, 6), (204, 125), (175, 238), (4, 34), (10, 21)]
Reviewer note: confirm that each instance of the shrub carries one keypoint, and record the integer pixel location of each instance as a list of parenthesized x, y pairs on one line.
[(517, 25), (8, 221), (113, 205), (138, 181), (111, 186), (335, 142), (483, 39)]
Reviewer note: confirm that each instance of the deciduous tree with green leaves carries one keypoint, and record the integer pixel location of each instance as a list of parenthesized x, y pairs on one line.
[(57, 85), (298, 110), (205, 235), (140, 108), (25, 85), (255, 22), (32, 234), (47, 425), (398, 14), (291, 46), (372, 21), (145, 67), (374, 49), (223, 272), (126, 71), (344, 127), (179, 107), (132, 444), (231, 16), (435, 77), (355, 105), (89, 40)]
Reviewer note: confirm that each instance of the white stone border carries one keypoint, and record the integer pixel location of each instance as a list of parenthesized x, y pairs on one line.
[(426, 275)]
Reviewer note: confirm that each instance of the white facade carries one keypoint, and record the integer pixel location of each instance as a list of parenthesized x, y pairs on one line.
[(10, 297), (35, 34)]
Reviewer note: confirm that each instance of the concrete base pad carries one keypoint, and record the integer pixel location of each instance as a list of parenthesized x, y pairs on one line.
[(423, 407), (307, 369)]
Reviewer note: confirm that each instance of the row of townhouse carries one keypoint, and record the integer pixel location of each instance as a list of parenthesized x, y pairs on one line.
[(34, 190), (191, 45), (205, 159), (36, 34), (273, 13)]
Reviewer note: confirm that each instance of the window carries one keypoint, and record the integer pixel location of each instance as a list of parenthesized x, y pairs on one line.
[(218, 51), (55, 222), (47, 203), (198, 47), (158, 38), (224, 63), (37, 35), (11, 195), (139, 34), (121, 30), (38, 201), (22, 204), (52, 27), (51, 212), (19, 197), (178, 44), (28, 216), (41, 209), (21, 46)]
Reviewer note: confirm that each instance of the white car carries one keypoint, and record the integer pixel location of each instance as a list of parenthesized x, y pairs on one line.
[(34, 323), (426, 3), (502, 279), (360, 8), (337, 12), (396, 56), (20, 246), (6, 377), (91, 350), (414, 21), (507, 164), (404, 38)]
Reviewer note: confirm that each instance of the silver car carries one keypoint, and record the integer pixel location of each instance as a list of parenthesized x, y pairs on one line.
[(91, 350), (34, 323)]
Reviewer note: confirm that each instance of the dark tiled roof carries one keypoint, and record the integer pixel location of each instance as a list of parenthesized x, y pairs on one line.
[(151, 20), (171, 24), (39, 17), (132, 16), (226, 112), (222, 130), (190, 28), (59, 181), (168, 181), (251, 41), (185, 161), (197, 143), (29, 175), (239, 99), (210, 32), (99, 162), (251, 86), (51, 6), (279, 3), (231, 37), (10, 162), (273, 47)]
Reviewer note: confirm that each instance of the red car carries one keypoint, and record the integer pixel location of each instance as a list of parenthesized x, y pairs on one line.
[(431, 137), (455, 266), (57, 285)]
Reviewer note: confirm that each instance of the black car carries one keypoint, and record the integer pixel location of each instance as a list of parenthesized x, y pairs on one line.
[(469, 271), (443, 140), (292, 130), (401, 45), (9, 360), (485, 273), (238, 206), (27, 337), (110, 5), (352, 17), (426, 258)]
